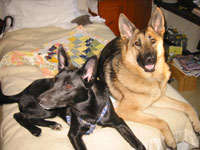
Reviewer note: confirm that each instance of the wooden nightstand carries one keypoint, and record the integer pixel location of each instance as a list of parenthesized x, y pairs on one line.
[(138, 11), (185, 82)]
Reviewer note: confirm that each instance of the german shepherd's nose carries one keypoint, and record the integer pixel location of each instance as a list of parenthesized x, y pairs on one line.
[(147, 61), (149, 58)]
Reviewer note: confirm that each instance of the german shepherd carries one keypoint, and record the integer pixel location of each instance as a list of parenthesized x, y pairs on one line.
[(134, 69)]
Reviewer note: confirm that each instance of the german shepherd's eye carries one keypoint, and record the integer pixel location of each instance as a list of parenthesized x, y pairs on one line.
[(137, 43), (153, 41), (68, 86)]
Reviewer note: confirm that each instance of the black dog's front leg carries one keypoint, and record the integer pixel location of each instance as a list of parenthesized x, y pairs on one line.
[(116, 122), (75, 133), (23, 121), (126, 132), (75, 137)]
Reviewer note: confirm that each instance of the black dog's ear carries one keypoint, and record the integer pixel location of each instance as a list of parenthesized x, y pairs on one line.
[(157, 22), (126, 27), (62, 59), (89, 71)]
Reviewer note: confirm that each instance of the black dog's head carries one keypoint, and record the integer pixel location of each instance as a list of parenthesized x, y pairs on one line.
[(70, 85)]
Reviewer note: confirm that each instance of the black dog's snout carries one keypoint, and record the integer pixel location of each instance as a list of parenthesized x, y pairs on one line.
[(44, 103), (41, 99)]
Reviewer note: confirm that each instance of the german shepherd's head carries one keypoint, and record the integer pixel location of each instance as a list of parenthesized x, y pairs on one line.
[(143, 47)]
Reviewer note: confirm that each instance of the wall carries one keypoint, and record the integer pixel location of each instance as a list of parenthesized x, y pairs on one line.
[(183, 26)]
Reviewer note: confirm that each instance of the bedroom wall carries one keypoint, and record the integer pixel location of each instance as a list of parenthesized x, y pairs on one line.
[(184, 26)]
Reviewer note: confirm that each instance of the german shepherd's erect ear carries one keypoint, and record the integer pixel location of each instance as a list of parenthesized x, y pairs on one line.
[(157, 22), (126, 27)]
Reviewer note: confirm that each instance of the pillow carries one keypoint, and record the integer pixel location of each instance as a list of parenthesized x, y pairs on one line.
[(2, 15), (91, 4), (40, 13), (82, 5)]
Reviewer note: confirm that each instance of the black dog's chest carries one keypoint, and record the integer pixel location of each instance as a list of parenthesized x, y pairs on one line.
[(87, 124)]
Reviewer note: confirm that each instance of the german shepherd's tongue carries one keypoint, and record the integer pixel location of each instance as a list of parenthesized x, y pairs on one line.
[(149, 67)]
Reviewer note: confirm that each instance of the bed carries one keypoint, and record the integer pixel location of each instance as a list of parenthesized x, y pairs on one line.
[(28, 52)]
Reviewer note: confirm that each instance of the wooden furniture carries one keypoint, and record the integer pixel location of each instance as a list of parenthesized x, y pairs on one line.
[(185, 82), (184, 12), (138, 11)]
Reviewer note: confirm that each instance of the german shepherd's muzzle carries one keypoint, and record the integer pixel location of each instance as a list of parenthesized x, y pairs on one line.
[(147, 60)]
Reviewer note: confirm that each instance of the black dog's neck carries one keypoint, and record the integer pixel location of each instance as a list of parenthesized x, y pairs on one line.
[(90, 109)]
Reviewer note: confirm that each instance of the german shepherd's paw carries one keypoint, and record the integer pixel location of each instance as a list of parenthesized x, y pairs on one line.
[(196, 125), (170, 140), (56, 126), (171, 143)]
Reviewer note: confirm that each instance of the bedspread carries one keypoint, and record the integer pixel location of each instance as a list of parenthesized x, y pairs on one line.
[(21, 53), (79, 45)]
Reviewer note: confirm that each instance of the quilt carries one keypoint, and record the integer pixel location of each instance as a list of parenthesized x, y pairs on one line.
[(79, 46)]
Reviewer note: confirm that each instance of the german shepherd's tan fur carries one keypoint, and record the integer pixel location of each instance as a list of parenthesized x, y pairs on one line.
[(134, 68)]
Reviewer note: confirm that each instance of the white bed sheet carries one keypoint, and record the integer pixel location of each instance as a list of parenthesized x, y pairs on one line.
[(14, 137)]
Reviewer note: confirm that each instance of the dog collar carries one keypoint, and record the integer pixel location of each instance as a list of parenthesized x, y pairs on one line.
[(91, 126)]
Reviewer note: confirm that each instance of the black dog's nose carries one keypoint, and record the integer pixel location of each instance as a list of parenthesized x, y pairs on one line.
[(41, 100), (43, 103)]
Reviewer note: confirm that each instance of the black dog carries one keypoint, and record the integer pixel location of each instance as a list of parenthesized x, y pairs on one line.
[(87, 100)]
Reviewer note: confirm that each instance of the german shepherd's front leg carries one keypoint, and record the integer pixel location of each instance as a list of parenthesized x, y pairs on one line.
[(168, 102), (129, 113)]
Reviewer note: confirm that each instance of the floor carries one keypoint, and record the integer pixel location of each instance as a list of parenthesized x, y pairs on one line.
[(193, 96)]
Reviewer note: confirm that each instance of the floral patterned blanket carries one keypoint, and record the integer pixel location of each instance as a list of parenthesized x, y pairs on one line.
[(78, 44)]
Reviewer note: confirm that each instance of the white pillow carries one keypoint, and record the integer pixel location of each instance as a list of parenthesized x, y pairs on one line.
[(2, 12), (82, 5), (40, 13)]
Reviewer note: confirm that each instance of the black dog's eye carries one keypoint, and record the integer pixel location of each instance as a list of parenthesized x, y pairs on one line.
[(55, 79), (137, 43), (68, 86)]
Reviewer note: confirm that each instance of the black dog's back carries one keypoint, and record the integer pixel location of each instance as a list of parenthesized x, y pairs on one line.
[(109, 51), (32, 89), (31, 113)]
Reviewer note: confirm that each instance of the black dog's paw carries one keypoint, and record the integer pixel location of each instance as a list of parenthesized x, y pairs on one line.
[(197, 133), (56, 126), (36, 132), (142, 148)]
